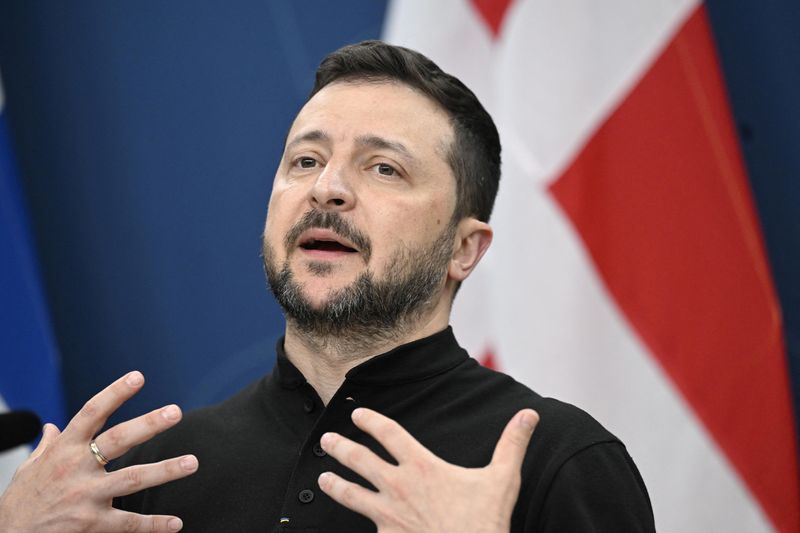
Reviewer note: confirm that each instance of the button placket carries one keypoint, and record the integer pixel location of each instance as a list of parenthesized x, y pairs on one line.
[(312, 461)]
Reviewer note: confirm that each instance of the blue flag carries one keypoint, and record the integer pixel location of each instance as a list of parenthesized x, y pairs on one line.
[(30, 376)]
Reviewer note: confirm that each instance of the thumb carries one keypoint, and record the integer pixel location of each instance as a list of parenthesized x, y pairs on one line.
[(513, 443), (49, 434)]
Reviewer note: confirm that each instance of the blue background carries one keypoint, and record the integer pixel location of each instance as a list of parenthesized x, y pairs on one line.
[(147, 134)]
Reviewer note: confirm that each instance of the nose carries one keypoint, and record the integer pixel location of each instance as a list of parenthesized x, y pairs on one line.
[(331, 190)]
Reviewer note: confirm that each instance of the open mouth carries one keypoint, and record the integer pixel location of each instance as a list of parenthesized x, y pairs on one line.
[(324, 245)]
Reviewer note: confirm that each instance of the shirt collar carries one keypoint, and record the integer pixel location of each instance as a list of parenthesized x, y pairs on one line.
[(414, 361)]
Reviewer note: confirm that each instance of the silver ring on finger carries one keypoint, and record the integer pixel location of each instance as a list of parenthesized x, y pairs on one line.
[(98, 454)]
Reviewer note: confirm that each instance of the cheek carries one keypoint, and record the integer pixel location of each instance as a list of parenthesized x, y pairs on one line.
[(409, 226), (284, 204), (432, 218), (276, 225), (272, 215), (271, 239)]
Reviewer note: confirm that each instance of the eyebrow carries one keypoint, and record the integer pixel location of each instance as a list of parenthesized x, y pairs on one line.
[(309, 136), (374, 141)]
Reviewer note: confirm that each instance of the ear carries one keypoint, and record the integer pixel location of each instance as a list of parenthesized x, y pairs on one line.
[(473, 239)]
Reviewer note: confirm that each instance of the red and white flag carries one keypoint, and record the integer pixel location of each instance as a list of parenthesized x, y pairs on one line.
[(628, 273)]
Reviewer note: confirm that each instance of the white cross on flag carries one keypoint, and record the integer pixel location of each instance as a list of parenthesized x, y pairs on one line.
[(628, 273)]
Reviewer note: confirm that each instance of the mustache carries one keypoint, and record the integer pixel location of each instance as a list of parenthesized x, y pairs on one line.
[(333, 221)]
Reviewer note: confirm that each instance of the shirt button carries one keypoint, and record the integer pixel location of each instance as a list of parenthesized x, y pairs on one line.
[(305, 496), (308, 405), (318, 451)]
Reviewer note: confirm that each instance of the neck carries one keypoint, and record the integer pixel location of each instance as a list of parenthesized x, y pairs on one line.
[(324, 361)]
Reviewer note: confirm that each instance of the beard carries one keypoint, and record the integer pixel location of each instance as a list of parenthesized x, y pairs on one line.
[(369, 310)]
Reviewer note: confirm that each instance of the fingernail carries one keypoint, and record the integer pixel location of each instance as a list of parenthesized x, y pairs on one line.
[(324, 480), (134, 379), (528, 420), (171, 413), (189, 463), (326, 440), (175, 524), (358, 414)]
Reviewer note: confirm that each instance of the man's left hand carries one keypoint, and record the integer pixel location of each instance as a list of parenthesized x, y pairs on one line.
[(423, 492)]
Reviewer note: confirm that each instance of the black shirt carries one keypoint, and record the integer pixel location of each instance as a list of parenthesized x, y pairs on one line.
[(260, 457)]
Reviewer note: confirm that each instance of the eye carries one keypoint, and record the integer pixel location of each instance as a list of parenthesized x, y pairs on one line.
[(306, 162), (385, 170)]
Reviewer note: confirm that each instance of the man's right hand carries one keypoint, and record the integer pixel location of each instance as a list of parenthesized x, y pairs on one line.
[(62, 487)]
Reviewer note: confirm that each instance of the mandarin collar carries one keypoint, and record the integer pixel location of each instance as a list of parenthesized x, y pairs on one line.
[(414, 361)]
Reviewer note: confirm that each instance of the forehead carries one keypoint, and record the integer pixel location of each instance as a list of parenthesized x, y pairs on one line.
[(346, 111)]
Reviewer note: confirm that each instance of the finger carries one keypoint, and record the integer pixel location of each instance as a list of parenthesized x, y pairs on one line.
[(49, 434), (139, 477), (124, 521), (357, 458), (397, 441), (122, 437), (510, 450), (88, 421), (351, 495)]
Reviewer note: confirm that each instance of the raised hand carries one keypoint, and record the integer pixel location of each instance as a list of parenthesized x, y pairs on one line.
[(63, 487), (424, 492)]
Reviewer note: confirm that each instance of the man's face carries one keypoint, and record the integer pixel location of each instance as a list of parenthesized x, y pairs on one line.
[(363, 190)]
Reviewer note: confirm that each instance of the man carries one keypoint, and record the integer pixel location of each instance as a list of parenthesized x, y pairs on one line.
[(373, 416)]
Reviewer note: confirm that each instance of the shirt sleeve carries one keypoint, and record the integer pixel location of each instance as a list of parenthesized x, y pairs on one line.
[(598, 490)]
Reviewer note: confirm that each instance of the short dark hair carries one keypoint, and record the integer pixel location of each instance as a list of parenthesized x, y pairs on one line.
[(474, 155)]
